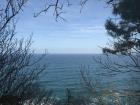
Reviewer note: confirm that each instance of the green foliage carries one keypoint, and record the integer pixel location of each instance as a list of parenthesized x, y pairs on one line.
[(125, 28)]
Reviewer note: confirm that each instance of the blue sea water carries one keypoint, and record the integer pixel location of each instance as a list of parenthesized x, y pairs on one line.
[(63, 72)]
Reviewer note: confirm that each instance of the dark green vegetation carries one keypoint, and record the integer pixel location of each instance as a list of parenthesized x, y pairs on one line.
[(18, 80), (125, 27)]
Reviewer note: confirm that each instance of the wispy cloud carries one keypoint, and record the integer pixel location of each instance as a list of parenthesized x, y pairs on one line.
[(82, 31), (92, 29)]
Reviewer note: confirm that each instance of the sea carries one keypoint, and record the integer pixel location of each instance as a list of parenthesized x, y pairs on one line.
[(64, 71)]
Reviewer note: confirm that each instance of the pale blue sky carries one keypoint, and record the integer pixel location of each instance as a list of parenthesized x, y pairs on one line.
[(81, 33)]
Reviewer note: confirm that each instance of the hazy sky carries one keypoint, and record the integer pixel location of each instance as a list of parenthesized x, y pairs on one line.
[(81, 33)]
